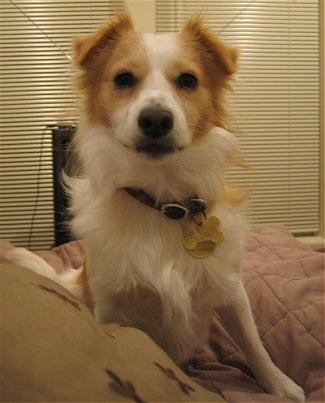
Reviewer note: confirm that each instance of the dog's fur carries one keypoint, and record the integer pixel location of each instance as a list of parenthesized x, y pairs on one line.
[(139, 272)]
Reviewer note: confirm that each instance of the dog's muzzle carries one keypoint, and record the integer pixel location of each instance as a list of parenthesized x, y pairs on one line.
[(155, 125)]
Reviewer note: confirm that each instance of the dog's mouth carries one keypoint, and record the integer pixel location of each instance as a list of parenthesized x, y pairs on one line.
[(156, 150)]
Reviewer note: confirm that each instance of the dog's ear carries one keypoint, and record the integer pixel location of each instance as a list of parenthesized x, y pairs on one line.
[(87, 49), (211, 46)]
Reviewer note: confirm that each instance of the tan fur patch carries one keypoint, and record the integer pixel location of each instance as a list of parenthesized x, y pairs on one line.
[(218, 63)]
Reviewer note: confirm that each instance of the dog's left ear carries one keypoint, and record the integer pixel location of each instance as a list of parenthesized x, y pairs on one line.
[(213, 48)]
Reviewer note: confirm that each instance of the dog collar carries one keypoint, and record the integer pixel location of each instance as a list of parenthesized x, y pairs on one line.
[(175, 210), (201, 234)]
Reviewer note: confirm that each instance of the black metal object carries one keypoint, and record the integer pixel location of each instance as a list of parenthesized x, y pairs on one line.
[(62, 154)]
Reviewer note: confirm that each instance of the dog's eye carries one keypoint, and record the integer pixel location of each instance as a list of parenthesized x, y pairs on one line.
[(187, 81), (125, 80)]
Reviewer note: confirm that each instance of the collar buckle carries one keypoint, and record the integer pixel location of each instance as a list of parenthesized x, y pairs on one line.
[(175, 211)]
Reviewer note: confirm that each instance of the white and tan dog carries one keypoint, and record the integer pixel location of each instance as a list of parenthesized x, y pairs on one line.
[(163, 235)]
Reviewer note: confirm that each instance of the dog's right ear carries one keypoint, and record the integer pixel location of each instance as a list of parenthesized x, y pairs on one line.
[(87, 49)]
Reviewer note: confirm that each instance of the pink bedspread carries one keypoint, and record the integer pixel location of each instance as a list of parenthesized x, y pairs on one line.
[(285, 283)]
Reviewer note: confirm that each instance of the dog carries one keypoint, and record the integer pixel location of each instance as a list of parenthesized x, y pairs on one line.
[(163, 231)]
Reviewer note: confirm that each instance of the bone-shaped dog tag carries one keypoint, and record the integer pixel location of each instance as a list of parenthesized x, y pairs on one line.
[(202, 241)]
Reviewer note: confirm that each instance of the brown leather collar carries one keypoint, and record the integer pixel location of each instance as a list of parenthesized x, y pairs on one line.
[(142, 196), (174, 210)]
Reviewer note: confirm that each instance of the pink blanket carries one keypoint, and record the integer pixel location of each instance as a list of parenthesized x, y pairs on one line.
[(285, 283)]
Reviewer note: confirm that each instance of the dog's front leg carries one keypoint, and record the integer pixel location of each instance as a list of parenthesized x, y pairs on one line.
[(238, 320)]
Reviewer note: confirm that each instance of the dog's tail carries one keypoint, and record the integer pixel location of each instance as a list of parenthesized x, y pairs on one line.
[(74, 280)]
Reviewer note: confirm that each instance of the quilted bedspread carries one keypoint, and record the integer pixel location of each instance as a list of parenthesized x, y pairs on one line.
[(285, 283)]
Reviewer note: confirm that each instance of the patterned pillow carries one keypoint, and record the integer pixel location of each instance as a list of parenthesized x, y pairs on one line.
[(51, 349)]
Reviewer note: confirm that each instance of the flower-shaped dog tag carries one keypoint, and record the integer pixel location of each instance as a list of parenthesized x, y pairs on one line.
[(202, 242)]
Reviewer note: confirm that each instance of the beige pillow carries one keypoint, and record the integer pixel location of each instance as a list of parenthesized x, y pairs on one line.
[(52, 350)]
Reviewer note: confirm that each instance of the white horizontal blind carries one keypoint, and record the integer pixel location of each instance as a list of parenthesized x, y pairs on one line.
[(277, 101), (36, 91)]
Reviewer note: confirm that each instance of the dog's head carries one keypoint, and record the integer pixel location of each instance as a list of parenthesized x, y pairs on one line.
[(155, 93)]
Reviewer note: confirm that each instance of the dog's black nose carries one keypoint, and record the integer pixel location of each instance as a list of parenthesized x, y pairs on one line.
[(155, 123)]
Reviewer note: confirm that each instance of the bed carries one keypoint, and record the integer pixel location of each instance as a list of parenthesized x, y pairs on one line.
[(52, 350)]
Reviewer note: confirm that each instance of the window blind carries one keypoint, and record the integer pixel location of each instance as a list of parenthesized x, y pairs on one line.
[(276, 100), (36, 93)]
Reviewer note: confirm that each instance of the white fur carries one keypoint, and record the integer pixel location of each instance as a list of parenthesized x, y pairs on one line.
[(139, 271), (132, 246), (29, 260)]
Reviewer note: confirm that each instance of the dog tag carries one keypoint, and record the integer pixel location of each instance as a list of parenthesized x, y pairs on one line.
[(202, 241)]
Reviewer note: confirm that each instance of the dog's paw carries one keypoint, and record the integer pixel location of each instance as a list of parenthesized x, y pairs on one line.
[(282, 386)]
